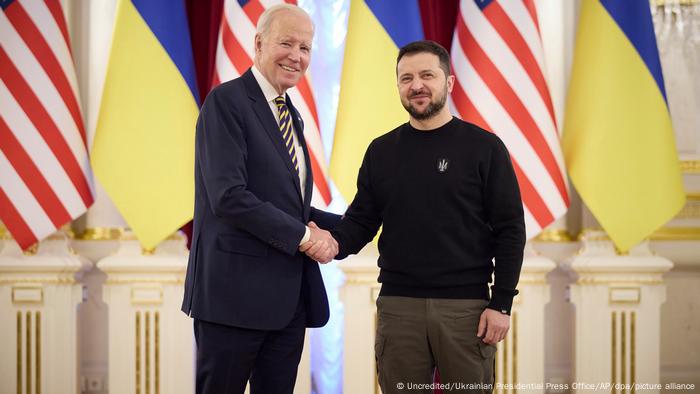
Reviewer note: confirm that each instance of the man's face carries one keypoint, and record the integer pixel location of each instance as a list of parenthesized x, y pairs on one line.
[(422, 84), (283, 54)]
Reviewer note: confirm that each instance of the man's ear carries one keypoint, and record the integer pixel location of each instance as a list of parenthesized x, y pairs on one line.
[(258, 42), (450, 83)]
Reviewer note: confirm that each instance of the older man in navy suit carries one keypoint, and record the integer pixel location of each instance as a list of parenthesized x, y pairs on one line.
[(249, 289)]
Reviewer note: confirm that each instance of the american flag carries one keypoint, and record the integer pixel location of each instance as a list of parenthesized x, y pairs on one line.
[(234, 54), (497, 58), (45, 176)]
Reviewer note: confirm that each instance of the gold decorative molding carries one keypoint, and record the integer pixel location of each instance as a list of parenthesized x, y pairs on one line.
[(624, 295), (101, 234), (524, 280), (140, 279), (515, 346), (138, 351), (29, 366), (24, 294), (598, 278), (37, 322), (147, 294), (587, 234), (18, 346), (676, 234), (46, 280), (690, 166), (31, 251), (4, 232), (661, 3), (554, 235), (157, 355), (691, 209), (361, 282)]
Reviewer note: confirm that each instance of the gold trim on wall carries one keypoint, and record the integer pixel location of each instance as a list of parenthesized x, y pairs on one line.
[(28, 329), (690, 166), (37, 331), (157, 339), (676, 234), (613, 349), (147, 294), (44, 280), (633, 345), (515, 348), (138, 351), (147, 346), (554, 235), (623, 347), (101, 234), (585, 235), (19, 352), (4, 232), (660, 3), (612, 299), (31, 251), (20, 287)]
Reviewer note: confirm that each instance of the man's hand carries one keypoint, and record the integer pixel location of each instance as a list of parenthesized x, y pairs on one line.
[(493, 326), (321, 246)]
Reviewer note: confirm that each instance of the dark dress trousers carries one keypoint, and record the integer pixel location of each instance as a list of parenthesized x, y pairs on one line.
[(246, 280)]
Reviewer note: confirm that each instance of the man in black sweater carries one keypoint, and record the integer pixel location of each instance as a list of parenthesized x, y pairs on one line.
[(448, 199)]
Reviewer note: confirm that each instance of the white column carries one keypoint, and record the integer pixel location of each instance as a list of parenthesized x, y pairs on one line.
[(358, 296), (618, 303), (38, 309), (520, 356), (151, 344)]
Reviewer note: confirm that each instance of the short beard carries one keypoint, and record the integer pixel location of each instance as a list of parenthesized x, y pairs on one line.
[(430, 111)]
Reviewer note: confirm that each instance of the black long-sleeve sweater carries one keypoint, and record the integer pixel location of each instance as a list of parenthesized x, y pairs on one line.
[(449, 203)]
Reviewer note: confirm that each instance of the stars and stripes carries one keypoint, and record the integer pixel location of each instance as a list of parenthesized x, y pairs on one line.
[(45, 176), (497, 58), (234, 54)]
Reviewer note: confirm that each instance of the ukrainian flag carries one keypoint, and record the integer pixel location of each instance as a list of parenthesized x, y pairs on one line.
[(618, 139), (143, 151), (369, 103)]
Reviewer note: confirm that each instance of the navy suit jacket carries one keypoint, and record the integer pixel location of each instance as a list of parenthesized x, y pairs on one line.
[(244, 268)]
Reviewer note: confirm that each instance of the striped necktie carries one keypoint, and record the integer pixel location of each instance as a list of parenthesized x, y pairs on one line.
[(286, 129)]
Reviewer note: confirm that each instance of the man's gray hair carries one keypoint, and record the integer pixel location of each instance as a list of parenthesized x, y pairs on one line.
[(270, 13)]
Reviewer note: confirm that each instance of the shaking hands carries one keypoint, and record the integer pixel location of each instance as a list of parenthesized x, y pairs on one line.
[(321, 247)]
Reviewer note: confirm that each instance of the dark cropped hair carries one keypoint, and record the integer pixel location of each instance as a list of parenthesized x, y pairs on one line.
[(426, 46)]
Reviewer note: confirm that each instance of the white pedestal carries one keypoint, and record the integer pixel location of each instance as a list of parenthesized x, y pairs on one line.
[(358, 296), (520, 356), (618, 302), (151, 345), (38, 309)]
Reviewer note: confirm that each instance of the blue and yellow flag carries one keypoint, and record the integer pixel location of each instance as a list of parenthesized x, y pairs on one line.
[(369, 104), (143, 151), (618, 140)]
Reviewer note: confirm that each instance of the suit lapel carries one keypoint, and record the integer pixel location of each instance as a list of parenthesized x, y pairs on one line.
[(262, 110)]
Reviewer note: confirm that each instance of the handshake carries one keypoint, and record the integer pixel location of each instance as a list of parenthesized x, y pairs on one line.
[(321, 246)]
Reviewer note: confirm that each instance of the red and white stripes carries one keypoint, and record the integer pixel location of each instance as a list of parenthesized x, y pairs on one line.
[(234, 54), (45, 176), (497, 58)]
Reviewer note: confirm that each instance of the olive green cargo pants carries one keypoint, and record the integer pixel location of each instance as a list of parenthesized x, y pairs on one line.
[(416, 335)]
